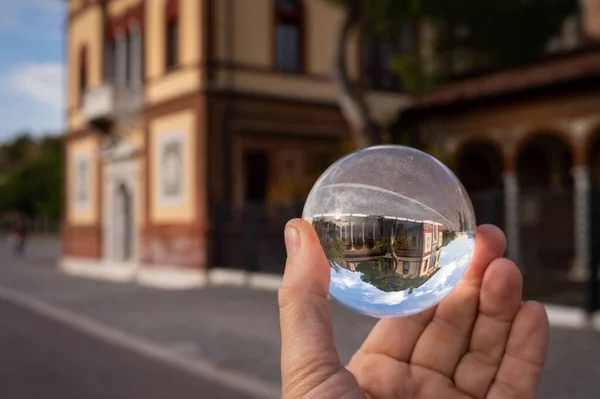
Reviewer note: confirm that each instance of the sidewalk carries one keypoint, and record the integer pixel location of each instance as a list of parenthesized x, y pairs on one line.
[(238, 329)]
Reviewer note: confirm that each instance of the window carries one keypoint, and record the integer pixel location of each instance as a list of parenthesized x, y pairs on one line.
[(121, 58), (172, 167), (109, 59), (406, 267), (135, 56), (172, 35), (435, 233), (81, 173), (171, 163), (128, 55), (82, 83), (428, 243), (288, 35), (124, 51)]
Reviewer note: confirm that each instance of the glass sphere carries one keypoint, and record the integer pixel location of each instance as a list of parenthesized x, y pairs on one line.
[(397, 227)]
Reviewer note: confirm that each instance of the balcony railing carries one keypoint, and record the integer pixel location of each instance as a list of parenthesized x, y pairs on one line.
[(112, 102)]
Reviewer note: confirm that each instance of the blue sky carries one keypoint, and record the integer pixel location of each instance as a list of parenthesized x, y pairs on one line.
[(31, 67), (348, 288)]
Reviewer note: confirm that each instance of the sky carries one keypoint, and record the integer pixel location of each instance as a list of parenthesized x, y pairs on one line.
[(348, 288), (31, 67)]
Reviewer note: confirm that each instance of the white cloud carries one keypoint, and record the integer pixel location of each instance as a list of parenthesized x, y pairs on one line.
[(43, 82)]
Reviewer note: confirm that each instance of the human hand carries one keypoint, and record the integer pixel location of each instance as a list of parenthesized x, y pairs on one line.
[(479, 342)]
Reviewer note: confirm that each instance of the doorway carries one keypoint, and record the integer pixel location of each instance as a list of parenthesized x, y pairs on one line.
[(256, 167), (123, 224)]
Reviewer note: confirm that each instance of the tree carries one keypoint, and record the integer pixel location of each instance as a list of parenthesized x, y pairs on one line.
[(386, 280), (478, 34), (18, 149), (33, 188)]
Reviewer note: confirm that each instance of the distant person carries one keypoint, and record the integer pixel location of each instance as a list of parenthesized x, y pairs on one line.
[(19, 239), (479, 342)]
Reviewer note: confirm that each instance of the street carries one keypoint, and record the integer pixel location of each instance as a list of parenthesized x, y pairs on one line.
[(233, 330), (41, 358)]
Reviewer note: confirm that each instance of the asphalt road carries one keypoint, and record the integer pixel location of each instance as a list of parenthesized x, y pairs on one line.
[(232, 328), (42, 358)]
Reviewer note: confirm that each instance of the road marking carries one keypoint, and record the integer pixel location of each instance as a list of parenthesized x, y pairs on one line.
[(566, 316), (244, 383), (186, 348)]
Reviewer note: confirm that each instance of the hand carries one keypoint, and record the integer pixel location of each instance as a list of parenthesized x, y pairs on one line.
[(479, 342)]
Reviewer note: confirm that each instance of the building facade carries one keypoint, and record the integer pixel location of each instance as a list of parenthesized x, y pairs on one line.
[(409, 248), (525, 144), (176, 106)]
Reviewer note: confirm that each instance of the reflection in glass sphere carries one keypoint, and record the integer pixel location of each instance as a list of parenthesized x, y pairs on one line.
[(397, 227)]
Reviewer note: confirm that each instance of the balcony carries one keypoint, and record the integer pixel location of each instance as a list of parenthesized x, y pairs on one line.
[(112, 103)]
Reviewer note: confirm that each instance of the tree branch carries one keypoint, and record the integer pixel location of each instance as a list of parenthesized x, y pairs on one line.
[(365, 132)]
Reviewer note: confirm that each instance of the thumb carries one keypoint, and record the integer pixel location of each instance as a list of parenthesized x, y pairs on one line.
[(308, 353)]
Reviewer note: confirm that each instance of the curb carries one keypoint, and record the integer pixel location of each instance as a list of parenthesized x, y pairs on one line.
[(167, 277), (174, 278)]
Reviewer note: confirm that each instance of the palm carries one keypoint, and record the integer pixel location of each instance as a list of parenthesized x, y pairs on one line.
[(480, 342)]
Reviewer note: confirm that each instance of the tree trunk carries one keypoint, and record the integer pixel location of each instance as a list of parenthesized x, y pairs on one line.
[(365, 132)]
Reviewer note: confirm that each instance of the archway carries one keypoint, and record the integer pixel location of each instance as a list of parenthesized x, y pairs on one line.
[(479, 168), (544, 166), (123, 224)]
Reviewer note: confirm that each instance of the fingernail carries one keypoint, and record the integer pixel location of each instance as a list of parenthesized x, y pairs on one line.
[(292, 240)]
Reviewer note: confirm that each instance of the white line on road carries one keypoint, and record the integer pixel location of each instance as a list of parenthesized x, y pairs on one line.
[(241, 382)]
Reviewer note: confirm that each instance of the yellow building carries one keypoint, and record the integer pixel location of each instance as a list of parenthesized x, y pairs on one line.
[(177, 105)]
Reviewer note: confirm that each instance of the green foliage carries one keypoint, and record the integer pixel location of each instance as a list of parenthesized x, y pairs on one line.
[(382, 245), (387, 280), (402, 242), (33, 187), (335, 266), (334, 248), (18, 149), (479, 34), (447, 237)]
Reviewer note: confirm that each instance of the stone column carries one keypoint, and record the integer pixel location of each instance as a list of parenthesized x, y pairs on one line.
[(581, 198), (351, 233), (511, 215)]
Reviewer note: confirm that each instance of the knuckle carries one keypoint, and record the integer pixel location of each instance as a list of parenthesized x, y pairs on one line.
[(285, 296)]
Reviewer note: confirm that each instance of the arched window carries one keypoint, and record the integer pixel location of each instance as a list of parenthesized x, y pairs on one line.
[(405, 267), (124, 50), (172, 35), (289, 35), (135, 50)]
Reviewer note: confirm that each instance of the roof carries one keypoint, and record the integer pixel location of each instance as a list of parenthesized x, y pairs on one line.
[(556, 70)]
